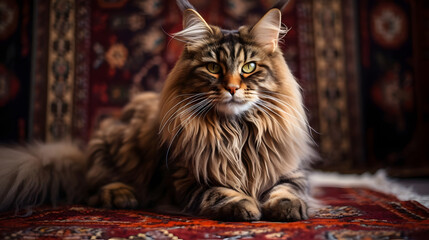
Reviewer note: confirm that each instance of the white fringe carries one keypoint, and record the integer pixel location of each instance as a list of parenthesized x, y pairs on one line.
[(378, 181)]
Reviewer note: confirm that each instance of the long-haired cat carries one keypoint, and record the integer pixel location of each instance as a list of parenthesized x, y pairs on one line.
[(227, 138)]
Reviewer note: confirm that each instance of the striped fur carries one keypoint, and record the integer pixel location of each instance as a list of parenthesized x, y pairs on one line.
[(237, 162), (222, 140)]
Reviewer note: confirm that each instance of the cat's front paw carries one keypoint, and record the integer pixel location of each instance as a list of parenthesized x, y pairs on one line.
[(243, 210), (229, 205), (284, 209), (115, 195)]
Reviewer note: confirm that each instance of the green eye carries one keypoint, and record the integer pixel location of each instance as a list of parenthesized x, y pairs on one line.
[(213, 68), (249, 67)]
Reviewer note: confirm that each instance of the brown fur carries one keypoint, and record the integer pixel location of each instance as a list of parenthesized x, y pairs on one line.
[(222, 141), (227, 165)]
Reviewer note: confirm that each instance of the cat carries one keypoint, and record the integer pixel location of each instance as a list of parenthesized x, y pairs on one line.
[(227, 138)]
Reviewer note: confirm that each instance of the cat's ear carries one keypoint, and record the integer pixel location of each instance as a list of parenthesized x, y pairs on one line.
[(281, 4), (195, 28), (194, 23), (267, 30)]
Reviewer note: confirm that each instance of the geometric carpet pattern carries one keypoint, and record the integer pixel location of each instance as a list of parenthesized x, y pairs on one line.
[(347, 213)]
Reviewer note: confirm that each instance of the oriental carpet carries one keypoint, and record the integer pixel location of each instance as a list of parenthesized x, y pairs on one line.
[(348, 213)]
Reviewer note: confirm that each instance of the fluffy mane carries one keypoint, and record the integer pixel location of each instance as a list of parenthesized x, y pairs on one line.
[(247, 152)]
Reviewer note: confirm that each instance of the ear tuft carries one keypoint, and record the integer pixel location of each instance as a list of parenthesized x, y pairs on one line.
[(184, 5), (281, 4), (267, 30), (195, 28), (192, 18)]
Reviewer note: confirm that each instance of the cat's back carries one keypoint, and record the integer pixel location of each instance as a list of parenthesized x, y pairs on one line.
[(143, 107), (120, 148), (116, 140)]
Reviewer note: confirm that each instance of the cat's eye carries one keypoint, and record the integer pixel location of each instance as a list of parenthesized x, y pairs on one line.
[(213, 68), (249, 67)]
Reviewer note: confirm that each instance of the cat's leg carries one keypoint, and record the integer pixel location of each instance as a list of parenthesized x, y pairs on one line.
[(225, 204), (286, 201), (214, 202), (115, 195)]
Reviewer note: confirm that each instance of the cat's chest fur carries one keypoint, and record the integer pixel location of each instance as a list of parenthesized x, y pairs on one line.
[(242, 153)]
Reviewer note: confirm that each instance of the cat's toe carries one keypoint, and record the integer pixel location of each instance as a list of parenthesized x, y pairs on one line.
[(124, 198), (285, 210), (229, 205), (115, 195), (243, 210)]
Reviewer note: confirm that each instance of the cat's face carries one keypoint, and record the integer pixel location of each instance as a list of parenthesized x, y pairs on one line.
[(229, 70)]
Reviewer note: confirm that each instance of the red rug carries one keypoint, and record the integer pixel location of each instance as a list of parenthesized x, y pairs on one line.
[(350, 213)]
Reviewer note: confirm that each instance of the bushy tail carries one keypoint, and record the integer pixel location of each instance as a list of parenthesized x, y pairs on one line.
[(40, 173)]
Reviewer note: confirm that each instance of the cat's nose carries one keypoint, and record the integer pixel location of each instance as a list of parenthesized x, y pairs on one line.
[(232, 83), (232, 88)]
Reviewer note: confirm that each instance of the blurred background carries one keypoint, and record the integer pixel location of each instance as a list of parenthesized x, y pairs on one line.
[(363, 66)]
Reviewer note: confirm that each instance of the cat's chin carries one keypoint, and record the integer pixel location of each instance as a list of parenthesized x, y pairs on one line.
[(233, 108)]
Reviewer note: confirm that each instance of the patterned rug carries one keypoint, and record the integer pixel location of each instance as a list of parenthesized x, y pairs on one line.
[(349, 213)]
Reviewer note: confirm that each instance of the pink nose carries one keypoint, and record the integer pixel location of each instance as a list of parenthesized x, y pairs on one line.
[(231, 89)]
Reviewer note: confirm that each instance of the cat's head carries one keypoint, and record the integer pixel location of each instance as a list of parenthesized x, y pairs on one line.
[(229, 71)]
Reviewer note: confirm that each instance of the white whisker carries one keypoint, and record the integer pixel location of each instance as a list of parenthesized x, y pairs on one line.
[(271, 107), (283, 95), (193, 99), (193, 110), (303, 118), (262, 107), (166, 114), (286, 104), (170, 144), (181, 95), (202, 107)]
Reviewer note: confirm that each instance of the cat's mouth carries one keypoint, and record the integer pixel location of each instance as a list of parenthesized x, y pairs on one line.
[(235, 101), (233, 106)]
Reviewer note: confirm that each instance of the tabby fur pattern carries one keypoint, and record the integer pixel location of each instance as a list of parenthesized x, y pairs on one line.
[(227, 138)]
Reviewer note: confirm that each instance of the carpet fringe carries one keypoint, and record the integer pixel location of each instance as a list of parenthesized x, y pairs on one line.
[(378, 181)]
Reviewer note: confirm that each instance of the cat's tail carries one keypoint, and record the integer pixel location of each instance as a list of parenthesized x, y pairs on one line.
[(40, 173)]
